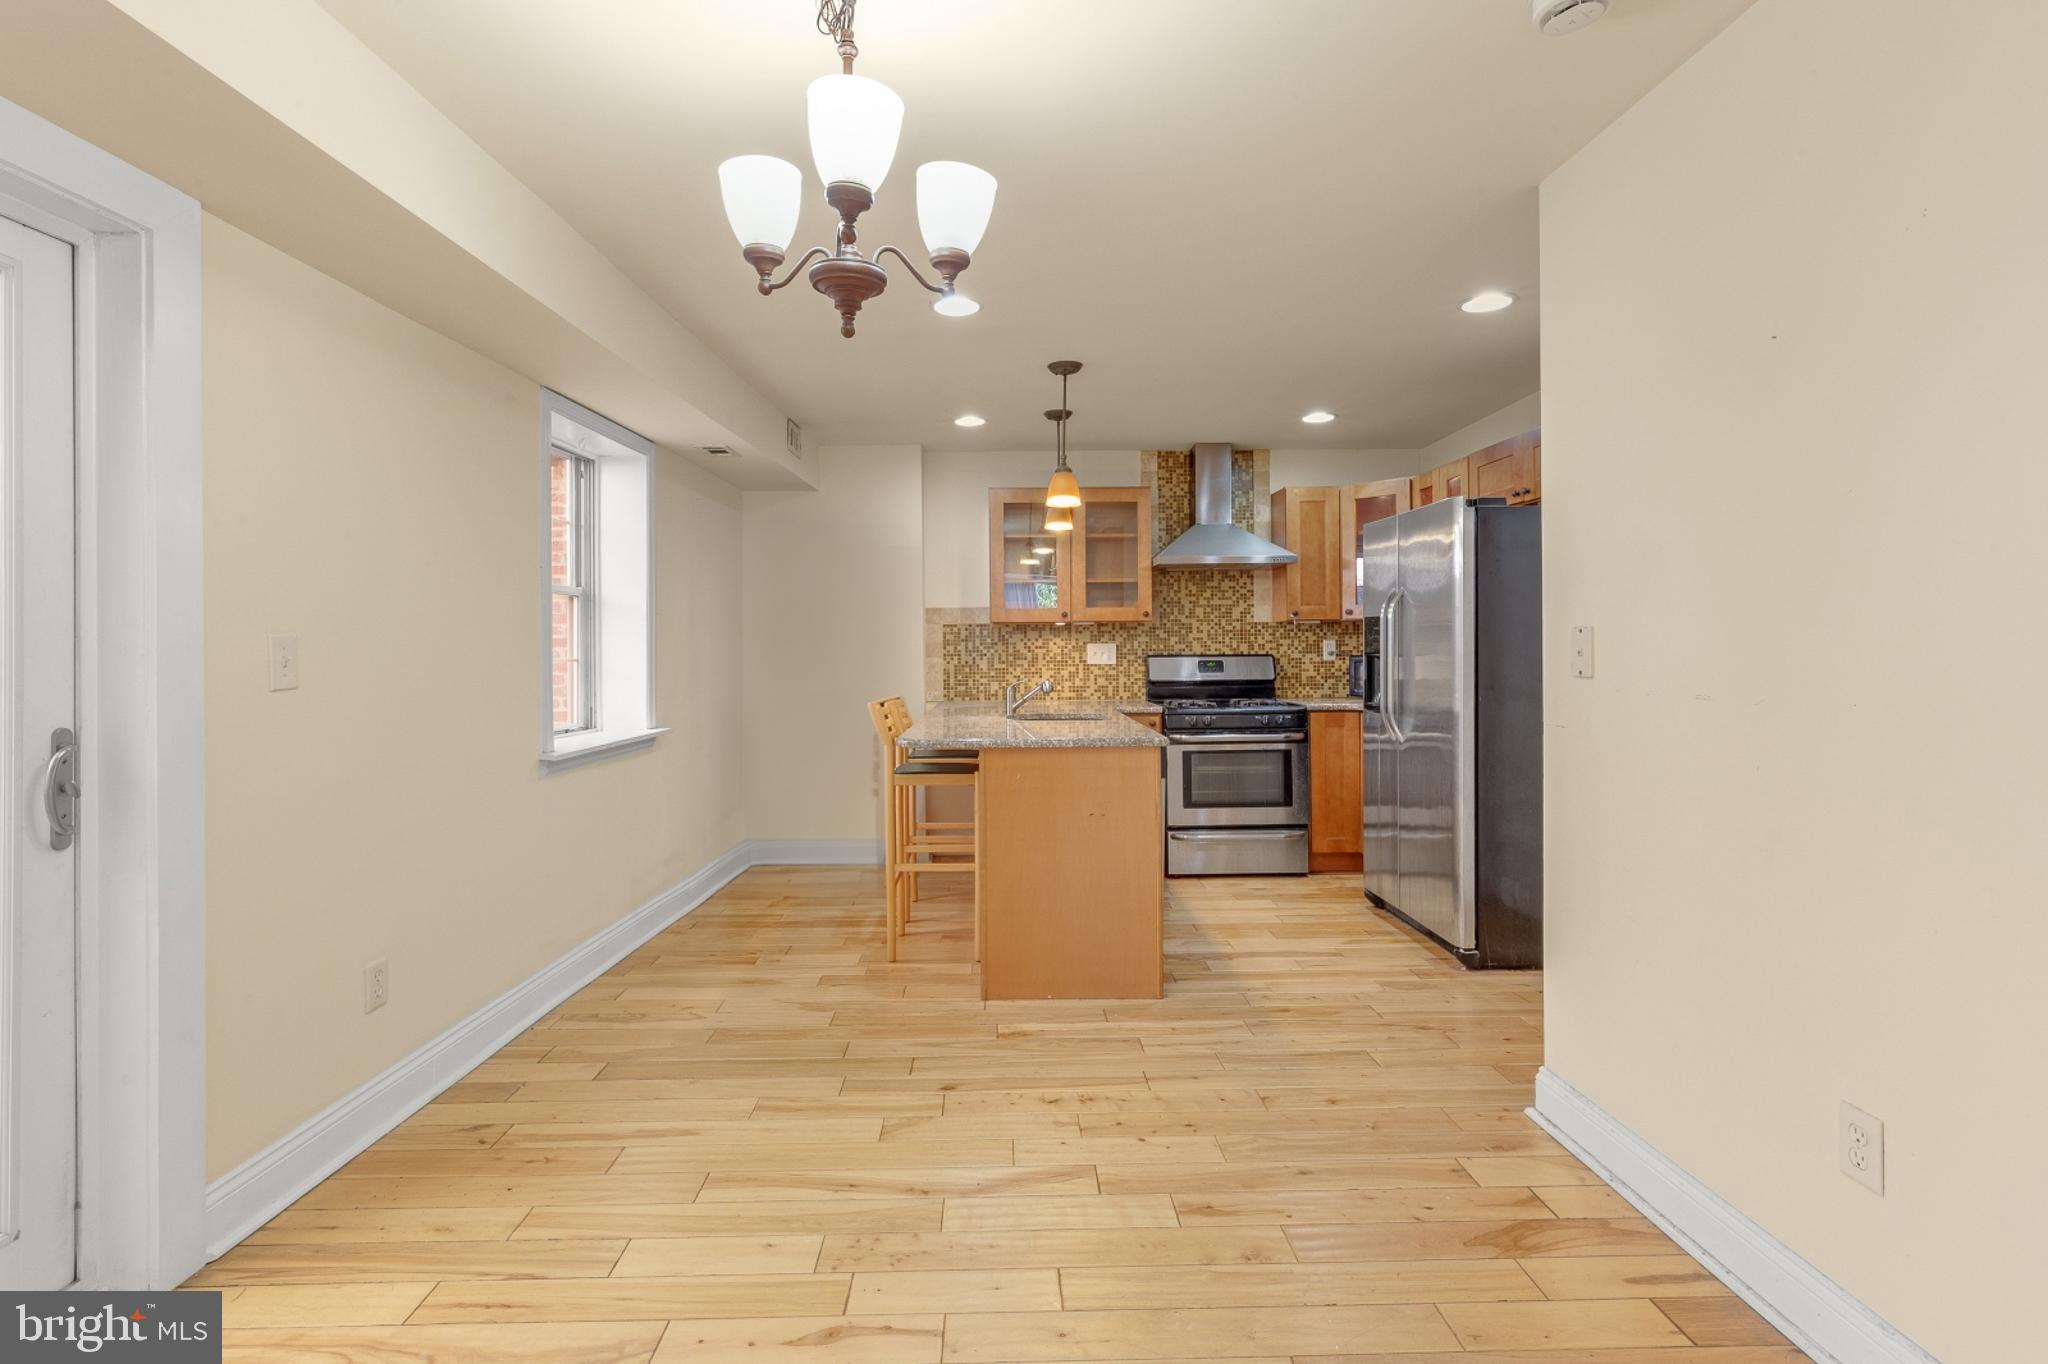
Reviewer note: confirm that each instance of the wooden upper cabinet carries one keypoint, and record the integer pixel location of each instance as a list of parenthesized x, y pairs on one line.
[(1112, 554), (1309, 521), (1363, 504), (1512, 469), (1030, 569)]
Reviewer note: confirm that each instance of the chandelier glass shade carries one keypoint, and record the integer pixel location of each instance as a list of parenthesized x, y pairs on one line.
[(855, 124), (762, 197)]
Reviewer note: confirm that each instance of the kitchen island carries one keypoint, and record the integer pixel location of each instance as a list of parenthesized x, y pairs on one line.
[(1069, 832)]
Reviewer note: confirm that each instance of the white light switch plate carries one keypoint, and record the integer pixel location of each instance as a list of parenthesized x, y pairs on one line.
[(284, 662), (1102, 653), (1582, 651), (1329, 651)]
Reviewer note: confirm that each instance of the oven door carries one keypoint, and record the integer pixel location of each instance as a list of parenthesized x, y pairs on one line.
[(1218, 781)]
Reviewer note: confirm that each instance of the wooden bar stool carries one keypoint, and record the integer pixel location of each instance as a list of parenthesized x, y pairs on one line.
[(906, 837)]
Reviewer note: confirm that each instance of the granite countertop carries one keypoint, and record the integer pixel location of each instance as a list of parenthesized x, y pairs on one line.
[(980, 724), (1312, 702)]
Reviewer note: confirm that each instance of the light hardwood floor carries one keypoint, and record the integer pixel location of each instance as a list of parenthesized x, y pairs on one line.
[(755, 1139)]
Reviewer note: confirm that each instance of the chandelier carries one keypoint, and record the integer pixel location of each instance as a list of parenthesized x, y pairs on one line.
[(854, 125)]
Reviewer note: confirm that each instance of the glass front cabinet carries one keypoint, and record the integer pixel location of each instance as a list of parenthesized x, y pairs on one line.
[(1363, 504), (1101, 570)]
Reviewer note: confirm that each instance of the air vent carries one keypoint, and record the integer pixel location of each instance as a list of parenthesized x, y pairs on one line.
[(793, 437), (720, 451)]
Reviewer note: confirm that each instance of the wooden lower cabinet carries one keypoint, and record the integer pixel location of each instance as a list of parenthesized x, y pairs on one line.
[(1152, 721), (1336, 797)]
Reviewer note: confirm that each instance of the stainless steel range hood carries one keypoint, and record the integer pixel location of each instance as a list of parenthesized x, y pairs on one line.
[(1213, 541)]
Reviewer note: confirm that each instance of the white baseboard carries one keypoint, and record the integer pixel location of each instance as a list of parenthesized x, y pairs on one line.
[(255, 1191), (1814, 1312), (814, 852)]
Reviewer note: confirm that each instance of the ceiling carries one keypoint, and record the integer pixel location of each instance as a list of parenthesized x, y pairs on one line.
[(1231, 213)]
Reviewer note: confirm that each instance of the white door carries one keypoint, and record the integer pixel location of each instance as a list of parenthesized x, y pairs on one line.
[(38, 977)]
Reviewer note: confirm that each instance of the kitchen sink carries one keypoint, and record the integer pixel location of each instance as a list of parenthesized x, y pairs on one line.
[(1048, 715)]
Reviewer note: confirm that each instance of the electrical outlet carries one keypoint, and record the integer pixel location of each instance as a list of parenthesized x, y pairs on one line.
[(1582, 651), (284, 662), (1329, 651), (1102, 653), (1862, 1146), (376, 985)]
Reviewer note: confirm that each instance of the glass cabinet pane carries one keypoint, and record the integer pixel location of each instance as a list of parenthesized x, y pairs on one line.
[(1111, 556), (1031, 559)]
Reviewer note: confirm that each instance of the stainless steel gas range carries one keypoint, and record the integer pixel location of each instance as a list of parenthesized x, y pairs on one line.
[(1236, 766)]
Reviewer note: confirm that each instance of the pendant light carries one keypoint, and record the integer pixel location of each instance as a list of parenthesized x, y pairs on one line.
[(1064, 490)]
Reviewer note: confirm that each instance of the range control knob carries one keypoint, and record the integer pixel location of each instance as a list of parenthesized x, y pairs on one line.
[(1208, 720)]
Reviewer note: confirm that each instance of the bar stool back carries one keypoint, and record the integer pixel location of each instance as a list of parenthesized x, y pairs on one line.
[(906, 837)]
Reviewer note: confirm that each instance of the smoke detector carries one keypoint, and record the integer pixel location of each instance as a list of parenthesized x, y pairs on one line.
[(1567, 16)]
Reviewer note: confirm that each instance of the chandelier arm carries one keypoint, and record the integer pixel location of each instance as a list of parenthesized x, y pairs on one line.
[(815, 253), (897, 252)]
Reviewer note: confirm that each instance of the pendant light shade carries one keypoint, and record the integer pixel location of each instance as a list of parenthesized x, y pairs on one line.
[(854, 126), (762, 195), (954, 201), (1059, 519), (1063, 491)]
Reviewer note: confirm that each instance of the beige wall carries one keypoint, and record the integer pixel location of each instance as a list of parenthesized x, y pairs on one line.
[(373, 487), (1325, 468), (832, 585), (1524, 414), (1794, 822)]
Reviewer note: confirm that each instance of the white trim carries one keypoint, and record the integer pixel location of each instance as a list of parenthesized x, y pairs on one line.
[(1814, 1312), (141, 703), (580, 750), (259, 1188)]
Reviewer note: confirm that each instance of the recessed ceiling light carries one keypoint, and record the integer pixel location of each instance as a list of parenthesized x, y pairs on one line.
[(1488, 301), (969, 419), (1318, 417)]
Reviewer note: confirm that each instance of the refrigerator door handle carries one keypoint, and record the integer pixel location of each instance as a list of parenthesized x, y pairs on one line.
[(1389, 674)]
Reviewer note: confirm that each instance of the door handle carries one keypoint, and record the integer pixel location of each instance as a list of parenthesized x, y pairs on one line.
[(60, 789), (1388, 673)]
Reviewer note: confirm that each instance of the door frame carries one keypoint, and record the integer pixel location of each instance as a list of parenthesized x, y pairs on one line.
[(141, 701)]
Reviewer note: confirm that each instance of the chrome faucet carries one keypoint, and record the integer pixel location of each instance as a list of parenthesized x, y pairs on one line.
[(1012, 702)]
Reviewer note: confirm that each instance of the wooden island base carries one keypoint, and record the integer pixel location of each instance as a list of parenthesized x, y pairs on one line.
[(1072, 873)]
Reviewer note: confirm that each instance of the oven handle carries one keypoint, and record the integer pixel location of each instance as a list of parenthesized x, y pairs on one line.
[(1234, 835), (1269, 740)]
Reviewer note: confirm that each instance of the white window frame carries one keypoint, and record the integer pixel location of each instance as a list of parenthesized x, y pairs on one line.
[(617, 577), (583, 517)]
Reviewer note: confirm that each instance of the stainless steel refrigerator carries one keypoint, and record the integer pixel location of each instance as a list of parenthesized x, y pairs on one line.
[(1454, 745)]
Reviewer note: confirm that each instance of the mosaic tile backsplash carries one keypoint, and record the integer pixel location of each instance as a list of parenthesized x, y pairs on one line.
[(1195, 611)]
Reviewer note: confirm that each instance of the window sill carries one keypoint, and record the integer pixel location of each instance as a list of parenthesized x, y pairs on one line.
[(583, 749)]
